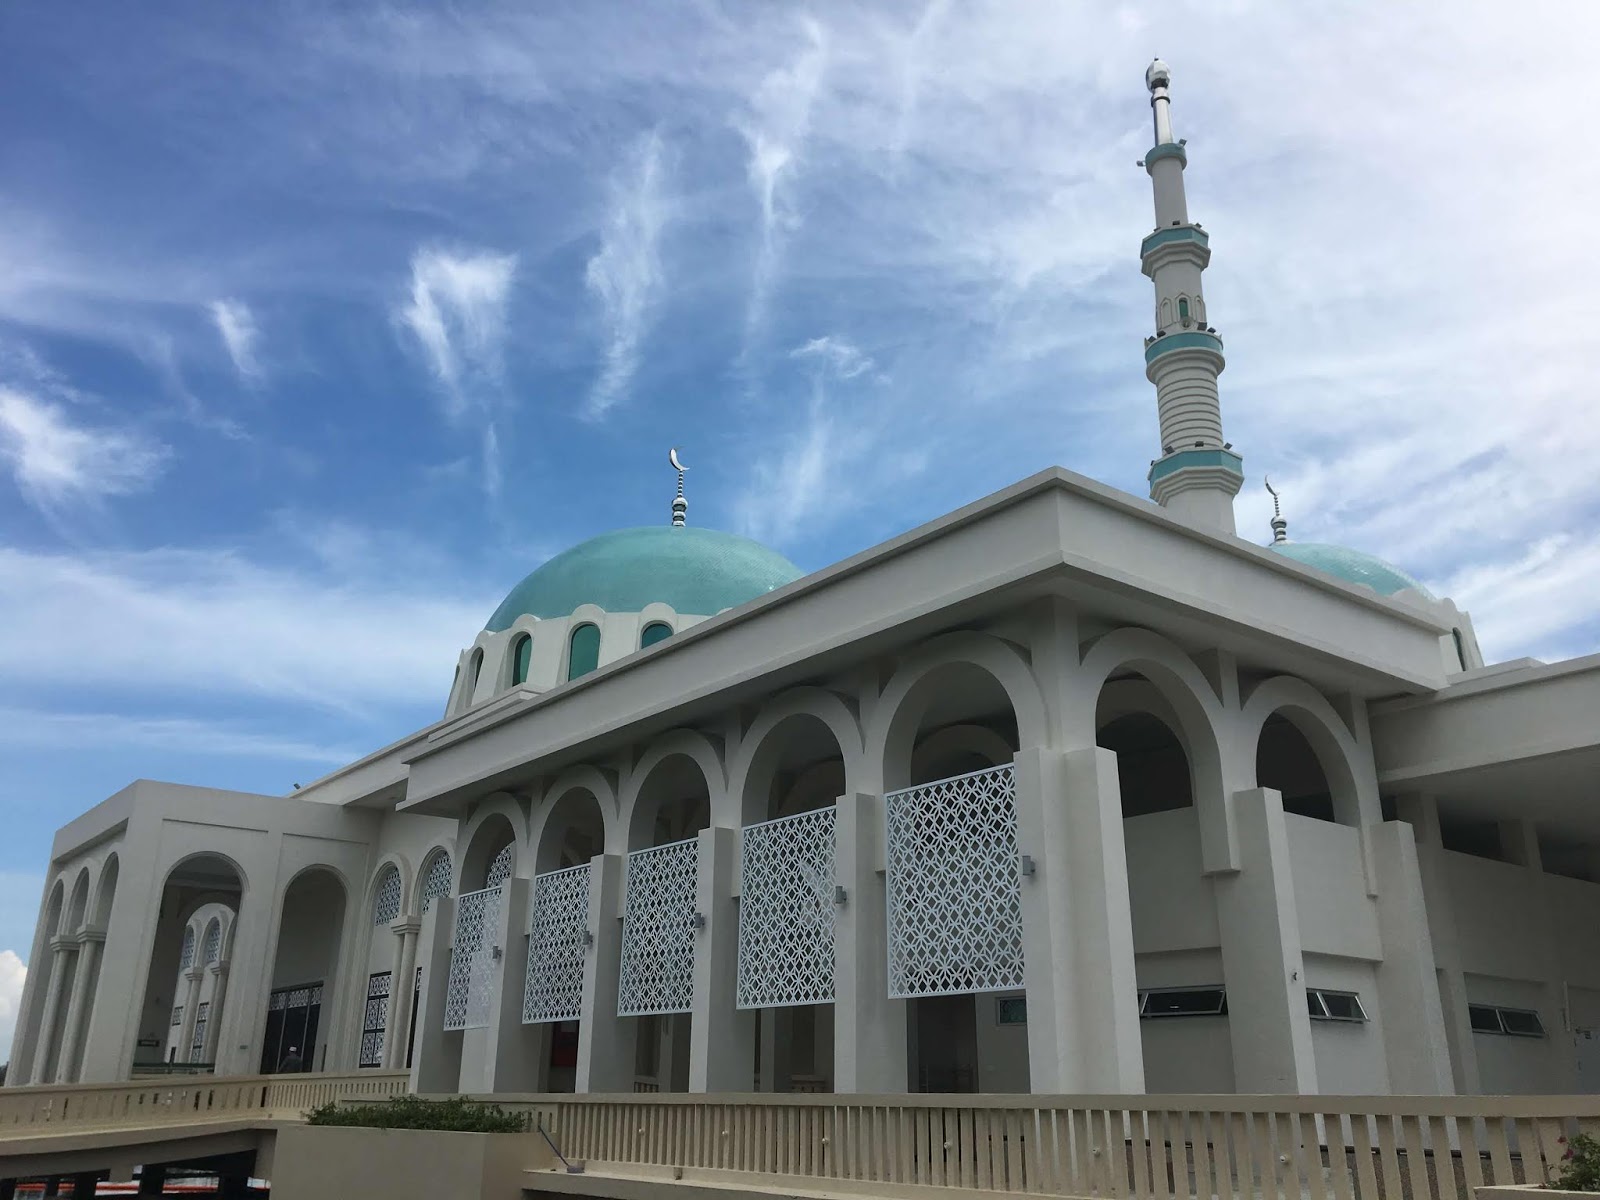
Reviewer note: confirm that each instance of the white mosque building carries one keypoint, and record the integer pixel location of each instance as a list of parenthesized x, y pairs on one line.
[(1065, 791)]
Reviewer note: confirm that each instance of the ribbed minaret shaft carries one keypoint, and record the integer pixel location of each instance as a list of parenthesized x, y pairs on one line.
[(1198, 474)]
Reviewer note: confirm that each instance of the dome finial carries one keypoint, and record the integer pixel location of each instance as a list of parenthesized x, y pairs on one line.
[(1280, 527), (680, 506)]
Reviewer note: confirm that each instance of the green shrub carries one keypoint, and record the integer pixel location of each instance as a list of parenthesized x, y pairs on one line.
[(456, 1115), (1580, 1165)]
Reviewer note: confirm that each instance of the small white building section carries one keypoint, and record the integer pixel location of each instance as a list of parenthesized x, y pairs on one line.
[(1064, 791)]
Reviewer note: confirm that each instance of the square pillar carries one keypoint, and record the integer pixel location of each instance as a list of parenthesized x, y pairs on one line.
[(1414, 1039), (436, 1065), (402, 985), (1077, 925), (605, 1040), (869, 1029), (1262, 964), (513, 1052), (721, 1035)]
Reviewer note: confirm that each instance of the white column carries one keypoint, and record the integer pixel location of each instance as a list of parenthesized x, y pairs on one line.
[(516, 1053), (219, 994), (1520, 841), (52, 1005), (1422, 813), (1083, 1011), (436, 1064), (869, 1039), (401, 986), (1261, 960), (605, 1040), (89, 944), (721, 1035), (1414, 1038)]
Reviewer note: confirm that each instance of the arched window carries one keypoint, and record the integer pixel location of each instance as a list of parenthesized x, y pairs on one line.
[(1461, 648), (1183, 311), (186, 955), (500, 868), (656, 631), (521, 656), (583, 652), (211, 948), (474, 668), (386, 903), (435, 878)]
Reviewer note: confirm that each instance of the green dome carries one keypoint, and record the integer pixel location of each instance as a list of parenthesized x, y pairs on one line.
[(695, 571), (1352, 566)]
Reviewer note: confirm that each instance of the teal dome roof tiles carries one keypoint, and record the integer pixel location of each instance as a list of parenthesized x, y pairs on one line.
[(1352, 566), (694, 571)]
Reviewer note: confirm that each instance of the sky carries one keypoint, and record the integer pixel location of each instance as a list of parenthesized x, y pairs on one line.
[(323, 324)]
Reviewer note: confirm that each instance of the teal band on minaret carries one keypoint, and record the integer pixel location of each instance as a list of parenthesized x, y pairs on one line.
[(1198, 473)]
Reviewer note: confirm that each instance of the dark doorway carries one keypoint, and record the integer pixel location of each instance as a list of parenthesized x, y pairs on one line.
[(292, 1016)]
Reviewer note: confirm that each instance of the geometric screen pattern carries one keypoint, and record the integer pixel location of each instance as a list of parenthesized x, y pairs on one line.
[(211, 948), (467, 992), (375, 1020), (435, 879), (786, 911), (954, 888), (658, 931), (386, 905), (186, 955), (557, 942)]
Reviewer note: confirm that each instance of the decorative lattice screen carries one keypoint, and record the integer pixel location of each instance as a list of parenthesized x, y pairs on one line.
[(375, 1020), (955, 903), (186, 955), (211, 948), (435, 879), (500, 868), (557, 942), (658, 931), (197, 1044), (467, 992), (386, 907), (786, 912)]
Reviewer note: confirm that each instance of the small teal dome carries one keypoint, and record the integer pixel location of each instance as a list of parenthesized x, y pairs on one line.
[(696, 571), (1352, 566)]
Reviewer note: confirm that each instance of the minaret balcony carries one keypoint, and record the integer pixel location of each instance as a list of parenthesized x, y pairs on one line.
[(1174, 343)]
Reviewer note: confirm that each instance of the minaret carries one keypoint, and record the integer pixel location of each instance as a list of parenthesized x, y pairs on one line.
[(1198, 474), (680, 506)]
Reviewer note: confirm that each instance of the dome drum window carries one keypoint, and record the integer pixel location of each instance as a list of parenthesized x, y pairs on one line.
[(656, 631), (583, 650), (521, 658)]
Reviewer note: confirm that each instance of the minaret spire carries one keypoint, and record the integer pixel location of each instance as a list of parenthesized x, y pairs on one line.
[(1280, 527), (680, 506), (1198, 474)]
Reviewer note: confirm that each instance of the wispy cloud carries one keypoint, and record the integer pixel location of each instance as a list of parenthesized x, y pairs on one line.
[(58, 463), (38, 729), (624, 275), (775, 124), (457, 311), (236, 325)]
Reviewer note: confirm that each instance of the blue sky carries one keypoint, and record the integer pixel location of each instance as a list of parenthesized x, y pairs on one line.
[(321, 325)]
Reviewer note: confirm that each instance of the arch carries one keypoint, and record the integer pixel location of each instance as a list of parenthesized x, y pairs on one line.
[(474, 672), (306, 969), (106, 893), (678, 762), (583, 649), (1184, 317), (551, 826), (1323, 730), (898, 717), (211, 942), (1188, 696), (54, 907), (521, 657), (655, 631), (753, 766), (388, 894), (496, 824), (958, 749), (434, 880), (78, 905)]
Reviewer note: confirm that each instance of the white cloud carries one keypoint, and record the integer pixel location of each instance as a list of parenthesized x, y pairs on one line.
[(203, 625), (842, 358), (13, 974), (236, 325), (457, 311), (35, 729), (625, 273), (57, 463)]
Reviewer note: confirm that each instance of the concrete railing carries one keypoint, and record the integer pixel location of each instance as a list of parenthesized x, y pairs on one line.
[(1325, 1147), (63, 1108)]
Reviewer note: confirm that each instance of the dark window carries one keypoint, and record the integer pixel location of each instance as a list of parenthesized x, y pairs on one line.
[(1183, 1002), (1327, 1005), (583, 652), (1484, 1018), (521, 656), (656, 631), (1521, 1022), (375, 1020)]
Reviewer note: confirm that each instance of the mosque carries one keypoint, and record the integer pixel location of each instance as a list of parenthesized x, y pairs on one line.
[(1065, 791)]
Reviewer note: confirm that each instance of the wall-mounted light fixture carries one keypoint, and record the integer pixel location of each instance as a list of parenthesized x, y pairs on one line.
[(588, 937), (1028, 865), (699, 920), (839, 894)]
